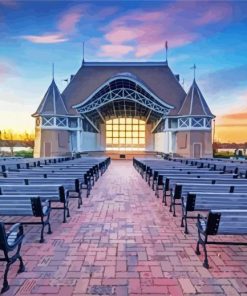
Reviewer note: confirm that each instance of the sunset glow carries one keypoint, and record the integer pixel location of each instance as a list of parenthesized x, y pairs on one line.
[(33, 35)]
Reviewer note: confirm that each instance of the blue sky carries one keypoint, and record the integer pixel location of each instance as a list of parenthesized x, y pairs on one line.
[(34, 34)]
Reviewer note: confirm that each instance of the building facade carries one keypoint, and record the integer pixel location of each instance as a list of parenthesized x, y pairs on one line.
[(123, 108)]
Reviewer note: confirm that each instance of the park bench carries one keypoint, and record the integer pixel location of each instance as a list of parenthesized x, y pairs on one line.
[(188, 171), (71, 184), (84, 179), (11, 241), (14, 205), (55, 193), (205, 201), (220, 222), (182, 189), (171, 180)]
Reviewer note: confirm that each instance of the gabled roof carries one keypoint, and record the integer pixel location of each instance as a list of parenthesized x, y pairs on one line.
[(156, 75), (194, 103), (52, 103)]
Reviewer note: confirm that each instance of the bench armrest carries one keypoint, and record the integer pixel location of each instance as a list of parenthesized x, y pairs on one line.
[(15, 228), (14, 236), (40, 208), (209, 225)]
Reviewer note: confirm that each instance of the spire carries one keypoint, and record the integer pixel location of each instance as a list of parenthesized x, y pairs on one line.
[(52, 103), (194, 68), (166, 46), (52, 71), (83, 52), (194, 103)]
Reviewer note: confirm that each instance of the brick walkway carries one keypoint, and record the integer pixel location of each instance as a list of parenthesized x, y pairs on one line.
[(123, 242)]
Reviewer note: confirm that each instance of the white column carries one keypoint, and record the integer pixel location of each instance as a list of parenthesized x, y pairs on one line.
[(78, 136)]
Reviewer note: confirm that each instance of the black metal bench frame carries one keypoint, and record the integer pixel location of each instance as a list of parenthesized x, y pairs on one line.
[(37, 209), (18, 233), (212, 223)]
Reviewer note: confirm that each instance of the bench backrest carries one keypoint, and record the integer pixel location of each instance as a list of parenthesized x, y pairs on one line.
[(229, 222)]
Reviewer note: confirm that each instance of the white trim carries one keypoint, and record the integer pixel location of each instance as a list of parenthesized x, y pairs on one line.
[(192, 99), (196, 143), (117, 77), (117, 64), (178, 116)]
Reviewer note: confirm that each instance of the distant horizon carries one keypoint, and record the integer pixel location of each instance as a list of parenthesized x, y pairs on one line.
[(208, 34)]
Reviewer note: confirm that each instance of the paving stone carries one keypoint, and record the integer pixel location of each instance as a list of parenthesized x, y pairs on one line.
[(123, 241)]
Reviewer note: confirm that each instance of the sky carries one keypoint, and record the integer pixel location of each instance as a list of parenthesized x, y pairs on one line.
[(210, 34)]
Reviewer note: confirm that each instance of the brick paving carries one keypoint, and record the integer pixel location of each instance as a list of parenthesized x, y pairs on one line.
[(124, 242)]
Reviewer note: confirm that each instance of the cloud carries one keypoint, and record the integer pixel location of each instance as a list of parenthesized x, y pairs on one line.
[(46, 38), (179, 23), (66, 26), (216, 13), (115, 50), (238, 116), (69, 20)]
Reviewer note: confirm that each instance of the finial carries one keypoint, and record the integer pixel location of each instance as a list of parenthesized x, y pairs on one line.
[(83, 52), (194, 68), (166, 46), (52, 71)]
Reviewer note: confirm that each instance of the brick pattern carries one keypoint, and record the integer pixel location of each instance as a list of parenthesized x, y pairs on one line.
[(124, 242)]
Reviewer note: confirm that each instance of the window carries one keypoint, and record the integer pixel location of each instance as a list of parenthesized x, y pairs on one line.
[(125, 134)]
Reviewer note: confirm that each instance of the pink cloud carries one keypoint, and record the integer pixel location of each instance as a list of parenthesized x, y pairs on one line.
[(147, 31), (46, 38), (70, 19), (215, 14), (115, 50), (122, 34), (65, 27)]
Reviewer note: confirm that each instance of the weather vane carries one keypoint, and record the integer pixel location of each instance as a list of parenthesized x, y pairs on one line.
[(194, 68)]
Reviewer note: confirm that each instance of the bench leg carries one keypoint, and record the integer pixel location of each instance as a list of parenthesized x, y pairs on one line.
[(186, 224), (67, 209), (170, 210), (64, 213), (203, 242), (164, 197), (174, 209), (88, 189), (182, 221), (22, 266), (42, 232), (156, 191), (5, 278), (79, 200), (48, 223), (205, 263)]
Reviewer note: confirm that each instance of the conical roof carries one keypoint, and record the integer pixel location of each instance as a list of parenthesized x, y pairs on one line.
[(194, 103), (52, 103)]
